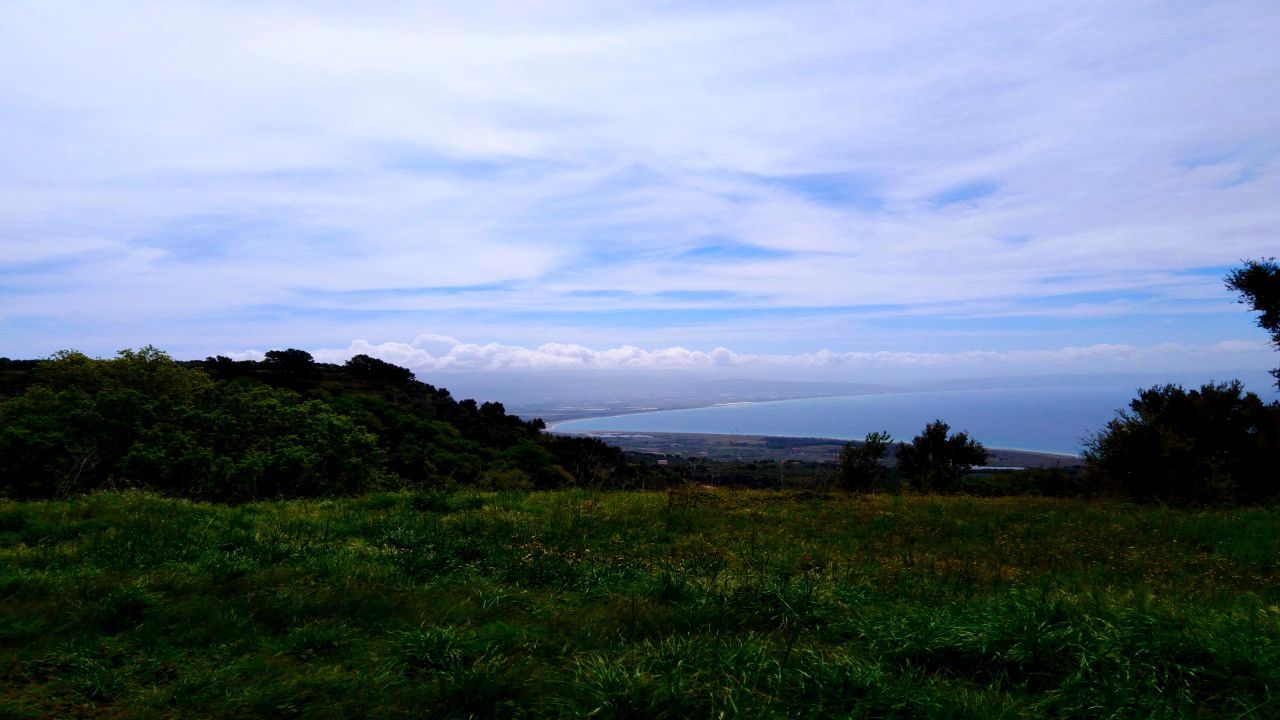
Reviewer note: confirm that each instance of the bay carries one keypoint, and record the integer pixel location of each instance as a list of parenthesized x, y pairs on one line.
[(1048, 419)]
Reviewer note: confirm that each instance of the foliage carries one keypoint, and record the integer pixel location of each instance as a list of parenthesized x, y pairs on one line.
[(144, 420), (862, 467), (1218, 444), (1215, 445), (693, 603), (285, 427), (291, 360), (373, 370), (14, 375), (935, 461), (1057, 482), (594, 463), (1258, 284)]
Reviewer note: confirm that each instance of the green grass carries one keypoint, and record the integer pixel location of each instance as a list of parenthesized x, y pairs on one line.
[(696, 604)]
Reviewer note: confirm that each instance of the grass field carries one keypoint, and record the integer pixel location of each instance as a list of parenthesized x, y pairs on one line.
[(698, 604)]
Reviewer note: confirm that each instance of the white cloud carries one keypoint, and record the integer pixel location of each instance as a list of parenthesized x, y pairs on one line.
[(447, 354), (264, 169)]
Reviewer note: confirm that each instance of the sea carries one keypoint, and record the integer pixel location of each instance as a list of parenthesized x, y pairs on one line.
[(1044, 419)]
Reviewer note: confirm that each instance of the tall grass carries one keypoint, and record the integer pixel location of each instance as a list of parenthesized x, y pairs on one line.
[(685, 604)]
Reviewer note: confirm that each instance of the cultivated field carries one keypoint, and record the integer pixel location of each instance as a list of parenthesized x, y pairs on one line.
[(694, 604)]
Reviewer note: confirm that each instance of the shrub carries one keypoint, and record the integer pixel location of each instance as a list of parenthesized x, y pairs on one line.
[(934, 460), (145, 420), (1215, 445), (862, 467)]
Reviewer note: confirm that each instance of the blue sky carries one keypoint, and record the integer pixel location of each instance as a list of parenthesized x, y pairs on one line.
[(844, 190)]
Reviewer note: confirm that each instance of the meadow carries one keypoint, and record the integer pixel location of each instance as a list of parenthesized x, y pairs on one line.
[(693, 603)]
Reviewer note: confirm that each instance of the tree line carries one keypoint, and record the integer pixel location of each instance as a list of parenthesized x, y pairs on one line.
[(283, 427)]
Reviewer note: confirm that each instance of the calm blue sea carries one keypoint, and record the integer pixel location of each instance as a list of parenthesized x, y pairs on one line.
[(1045, 419)]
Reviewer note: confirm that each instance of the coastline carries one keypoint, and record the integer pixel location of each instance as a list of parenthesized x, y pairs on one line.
[(725, 441), (561, 416), (702, 406)]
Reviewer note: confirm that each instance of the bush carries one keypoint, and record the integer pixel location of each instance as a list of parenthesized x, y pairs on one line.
[(862, 467), (145, 420), (219, 429), (1045, 482), (935, 461), (1215, 445)]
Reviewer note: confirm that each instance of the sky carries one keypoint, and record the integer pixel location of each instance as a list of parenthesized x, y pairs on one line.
[(841, 190)]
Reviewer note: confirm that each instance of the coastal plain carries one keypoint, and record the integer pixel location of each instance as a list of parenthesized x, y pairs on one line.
[(754, 448)]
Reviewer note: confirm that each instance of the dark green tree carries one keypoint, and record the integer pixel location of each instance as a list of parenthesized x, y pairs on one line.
[(862, 467), (243, 430), (1215, 445), (1258, 283), (292, 363), (221, 367), (378, 372), (934, 460), (143, 420)]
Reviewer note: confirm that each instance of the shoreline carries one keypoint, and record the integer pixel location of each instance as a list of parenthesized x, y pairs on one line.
[(732, 403), (704, 406), (1077, 458)]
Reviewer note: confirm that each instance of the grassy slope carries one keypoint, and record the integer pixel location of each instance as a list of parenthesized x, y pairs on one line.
[(636, 604)]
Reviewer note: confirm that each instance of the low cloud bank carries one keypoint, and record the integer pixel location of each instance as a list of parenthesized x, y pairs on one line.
[(442, 353)]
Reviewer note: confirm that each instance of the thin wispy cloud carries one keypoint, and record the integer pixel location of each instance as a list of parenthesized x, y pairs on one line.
[(772, 178), (428, 354)]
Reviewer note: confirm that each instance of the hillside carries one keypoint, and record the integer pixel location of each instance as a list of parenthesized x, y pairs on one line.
[(285, 427), (689, 604)]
